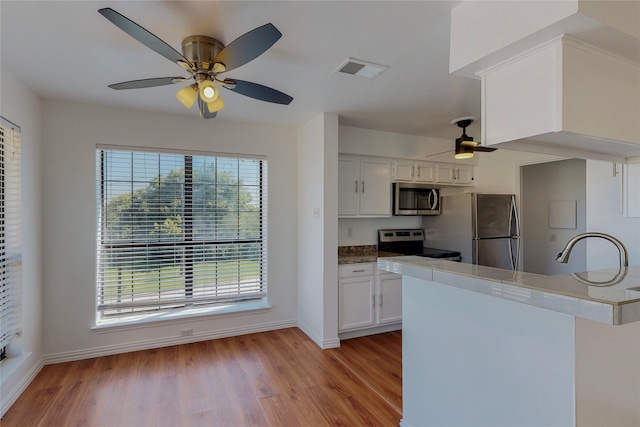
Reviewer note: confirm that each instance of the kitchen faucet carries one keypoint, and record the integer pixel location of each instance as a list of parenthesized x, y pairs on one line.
[(563, 256)]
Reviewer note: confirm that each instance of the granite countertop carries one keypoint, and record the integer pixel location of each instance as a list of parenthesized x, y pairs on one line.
[(615, 304), (361, 254)]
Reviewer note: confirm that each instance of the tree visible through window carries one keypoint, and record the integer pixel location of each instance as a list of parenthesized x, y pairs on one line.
[(176, 230)]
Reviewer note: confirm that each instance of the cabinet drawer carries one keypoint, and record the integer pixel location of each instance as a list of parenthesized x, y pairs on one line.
[(355, 270)]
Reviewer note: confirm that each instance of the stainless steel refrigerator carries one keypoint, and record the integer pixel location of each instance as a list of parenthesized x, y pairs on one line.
[(484, 228)]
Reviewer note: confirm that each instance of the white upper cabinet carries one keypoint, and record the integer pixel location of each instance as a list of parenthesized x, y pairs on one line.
[(408, 171), (425, 172), (454, 174), (437, 173), (404, 170), (364, 187)]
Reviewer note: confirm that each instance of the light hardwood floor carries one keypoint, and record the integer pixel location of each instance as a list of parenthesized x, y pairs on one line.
[(277, 378)]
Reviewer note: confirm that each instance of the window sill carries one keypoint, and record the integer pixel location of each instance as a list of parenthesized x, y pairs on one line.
[(155, 319), (11, 364)]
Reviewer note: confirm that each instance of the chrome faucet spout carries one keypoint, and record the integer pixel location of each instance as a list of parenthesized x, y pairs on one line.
[(563, 256)]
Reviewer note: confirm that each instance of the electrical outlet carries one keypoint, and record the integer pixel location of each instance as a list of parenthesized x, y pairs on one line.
[(349, 232), (186, 332)]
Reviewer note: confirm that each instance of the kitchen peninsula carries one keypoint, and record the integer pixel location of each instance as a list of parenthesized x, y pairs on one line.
[(487, 346)]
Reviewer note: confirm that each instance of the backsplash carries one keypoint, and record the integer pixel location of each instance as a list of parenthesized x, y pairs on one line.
[(364, 231)]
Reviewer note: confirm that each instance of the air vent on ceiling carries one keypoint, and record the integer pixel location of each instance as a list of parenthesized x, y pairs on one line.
[(360, 68)]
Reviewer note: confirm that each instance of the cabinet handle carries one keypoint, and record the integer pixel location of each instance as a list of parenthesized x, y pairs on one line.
[(356, 185), (418, 171), (412, 171), (380, 300), (357, 271), (363, 186)]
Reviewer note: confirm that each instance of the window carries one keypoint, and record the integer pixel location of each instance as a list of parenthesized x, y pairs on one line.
[(10, 233), (179, 230)]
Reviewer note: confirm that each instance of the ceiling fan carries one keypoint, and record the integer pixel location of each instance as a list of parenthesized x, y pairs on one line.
[(205, 58), (465, 145)]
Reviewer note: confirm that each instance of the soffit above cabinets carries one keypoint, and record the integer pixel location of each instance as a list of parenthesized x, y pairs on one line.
[(549, 92)]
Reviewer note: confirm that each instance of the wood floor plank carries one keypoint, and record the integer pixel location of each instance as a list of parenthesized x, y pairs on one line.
[(277, 378), (30, 407)]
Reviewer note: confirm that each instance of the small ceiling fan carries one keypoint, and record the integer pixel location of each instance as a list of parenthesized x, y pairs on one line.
[(205, 58), (465, 145)]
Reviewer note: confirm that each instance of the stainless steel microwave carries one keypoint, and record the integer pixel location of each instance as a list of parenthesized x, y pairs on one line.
[(415, 199)]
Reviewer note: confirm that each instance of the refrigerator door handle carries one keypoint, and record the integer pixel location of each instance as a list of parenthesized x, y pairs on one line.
[(514, 256), (513, 220)]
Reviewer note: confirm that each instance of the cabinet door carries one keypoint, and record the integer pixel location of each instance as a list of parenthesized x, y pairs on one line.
[(446, 174), (389, 298), (375, 187), (464, 175), (348, 186), (425, 172), (403, 171), (356, 303)]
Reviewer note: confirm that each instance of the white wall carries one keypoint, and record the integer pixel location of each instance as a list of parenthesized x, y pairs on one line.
[(317, 226), (390, 144), (604, 214), (23, 107), (543, 184), (330, 218), (72, 132), (364, 231)]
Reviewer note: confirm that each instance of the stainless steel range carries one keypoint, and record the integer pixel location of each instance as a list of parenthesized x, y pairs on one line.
[(410, 242)]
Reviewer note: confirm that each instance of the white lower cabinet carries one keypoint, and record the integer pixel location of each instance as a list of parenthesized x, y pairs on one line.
[(389, 291), (366, 298)]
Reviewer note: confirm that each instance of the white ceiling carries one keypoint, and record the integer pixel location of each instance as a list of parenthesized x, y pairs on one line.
[(66, 50)]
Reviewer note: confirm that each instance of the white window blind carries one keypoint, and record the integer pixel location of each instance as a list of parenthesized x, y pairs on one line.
[(10, 231), (176, 230)]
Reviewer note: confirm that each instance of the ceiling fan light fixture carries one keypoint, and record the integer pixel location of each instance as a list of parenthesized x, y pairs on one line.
[(187, 95), (463, 153), (218, 67), (208, 91), (216, 105)]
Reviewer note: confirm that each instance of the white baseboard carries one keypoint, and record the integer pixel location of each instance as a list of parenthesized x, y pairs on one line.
[(333, 343), (370, 331), (310, 333), (11, 397), (89, 353), (320, 341)]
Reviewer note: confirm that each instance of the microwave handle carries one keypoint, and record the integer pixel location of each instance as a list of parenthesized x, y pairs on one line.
[(433, 199)]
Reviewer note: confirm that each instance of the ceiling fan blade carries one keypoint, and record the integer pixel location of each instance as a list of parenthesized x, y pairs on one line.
[(140, 84), (484, 149), (143, 36), (258, 91), (248, 46), (204, 111)]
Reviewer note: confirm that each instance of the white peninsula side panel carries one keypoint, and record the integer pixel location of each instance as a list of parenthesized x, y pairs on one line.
[(470, 359), (607, 374)]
